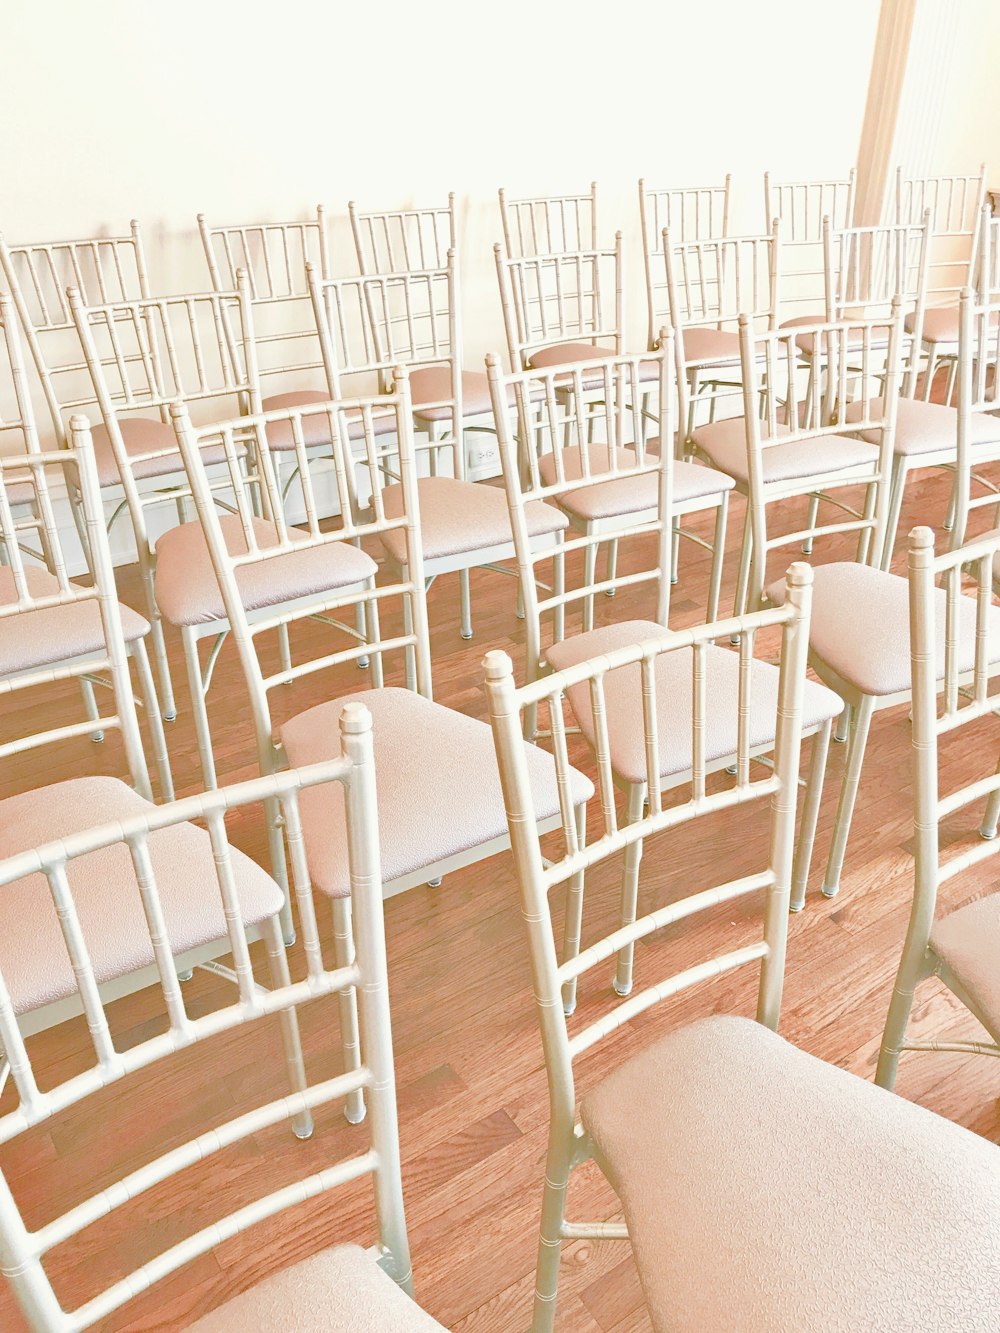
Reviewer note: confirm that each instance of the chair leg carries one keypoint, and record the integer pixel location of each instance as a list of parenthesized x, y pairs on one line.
[(574, 915), (557, 1168), (912, 970), (718, 555), (409, 651), (589, 579), (860, 724), (991, 817), (147, 689), (343, 953), (277, 963), (743, 575), (810, 815), (373, 632), (192, 663), (92, 710), (465, 594), (929, 376), (630, 888), (611, 568), (843, 728), (811, 520), (896, 488)]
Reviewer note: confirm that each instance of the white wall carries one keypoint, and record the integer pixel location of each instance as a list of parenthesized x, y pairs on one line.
[(259, 110)]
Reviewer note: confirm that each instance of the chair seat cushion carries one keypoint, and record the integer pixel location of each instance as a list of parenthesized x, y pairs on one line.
[(462, 516), (817, 317), (968, 942), (19, 492), (941, 323), (806, 342), (33, 957), (187, 591), (315, 428), (925, 428), (710, 347), (143, 435), (724, 443), (860, 626), (340, 1290), (766, 1189), (616, 496), (432, 384), (437, 780), (57, 633), (623, 700)]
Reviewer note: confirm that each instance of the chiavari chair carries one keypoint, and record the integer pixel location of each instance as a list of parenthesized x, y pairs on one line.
[(549, 224), (802, 208), (694, 1131), (959, 947), (689, 213), (111, 887)]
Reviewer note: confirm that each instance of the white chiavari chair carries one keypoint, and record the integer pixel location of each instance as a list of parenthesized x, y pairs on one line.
[(690, 213), (54, 629), (638, 490), (549, 224), (402, 240), (112, 889), (143, 356), (710, 285), (274, 255), (860, 639), (960, 947), (424, 752), (954, 204), (367, 326), (694, 1130), (788, 443), (802, 208)]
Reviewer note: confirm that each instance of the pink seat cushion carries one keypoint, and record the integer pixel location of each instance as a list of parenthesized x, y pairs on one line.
[(568, 353), (315, 427), (432, 385), (437, 780), (340, 1290), (710, 347), (616, 490), (142, 435), (33, 957), (925, 428), (724, 443), (623, 700), (457, 517), (40, 638), (188, 593)]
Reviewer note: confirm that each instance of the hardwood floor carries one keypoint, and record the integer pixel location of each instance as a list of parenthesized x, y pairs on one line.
[(472, 1093)]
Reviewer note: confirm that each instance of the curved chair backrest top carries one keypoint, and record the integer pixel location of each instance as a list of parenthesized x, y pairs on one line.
[(403, 240), (549, 224)]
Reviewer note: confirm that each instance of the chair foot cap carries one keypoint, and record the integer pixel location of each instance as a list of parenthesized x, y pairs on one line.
[(618, 990), (290, 939), (354, 1119), (830, 892), (169, 717), (304, 1134), (466, 635), (434, 883)]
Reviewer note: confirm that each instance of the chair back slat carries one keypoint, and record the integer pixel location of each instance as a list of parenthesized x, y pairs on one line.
[(710, 283), (802, 208), (954, 204), (144, 837)]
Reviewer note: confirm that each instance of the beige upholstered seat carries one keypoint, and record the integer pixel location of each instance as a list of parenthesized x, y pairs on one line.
[(968, 941), (941, 323), (33, 958), (710, 347), (432, 384), (817, 317), (725, 444), (340, 1290), (36, 638), (142, 435), (439, 789), (860, 626), (565, 354), (458, 516), (187, 591), (623, 697), (315, 429), (878, 337), (926, 428), (626, 494), (766, 1189)]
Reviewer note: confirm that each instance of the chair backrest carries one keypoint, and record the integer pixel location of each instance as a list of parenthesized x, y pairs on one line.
[(103, 269), (978, 393), (954, 203), (575, 852), (274, 255), (557, 298), (145, 355), (987, 279), (139, 849), (711, 283), (566, 429), (861, 365), (549, 224), (356, 448), (370, 324), (690, 213), (943, 704), (802, 208), (41, 586), (18, 431), (401, 240), (870, 268)]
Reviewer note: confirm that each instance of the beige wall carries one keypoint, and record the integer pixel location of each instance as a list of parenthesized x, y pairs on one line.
[(162, 108)]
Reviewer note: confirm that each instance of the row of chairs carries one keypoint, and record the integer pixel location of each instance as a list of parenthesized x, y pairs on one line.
[(684, 1178)]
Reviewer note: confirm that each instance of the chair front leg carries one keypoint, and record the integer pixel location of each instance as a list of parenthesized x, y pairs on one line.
[(558, 1163), (718, 555), (810, 815), (147, 691), (630, 888), (860, 724), (277, 962), (343, 952), (573, 924)]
